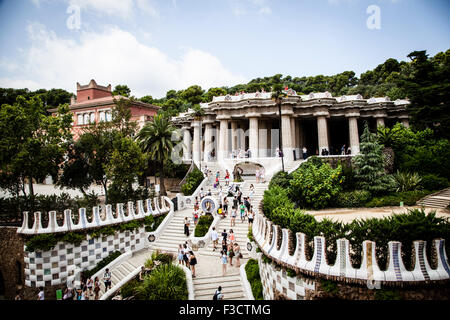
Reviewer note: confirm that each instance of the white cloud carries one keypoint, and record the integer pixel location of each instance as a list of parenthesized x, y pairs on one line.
[(125, 9), (265, 10), (241, 8), (36, 3), (148, 7), (112, 56)]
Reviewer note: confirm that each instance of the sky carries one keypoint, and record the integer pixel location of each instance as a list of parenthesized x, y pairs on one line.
[(154, 46)]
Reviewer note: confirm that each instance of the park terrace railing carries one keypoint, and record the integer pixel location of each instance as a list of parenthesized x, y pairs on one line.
[(275, 244), (152, 207), (64, 262)]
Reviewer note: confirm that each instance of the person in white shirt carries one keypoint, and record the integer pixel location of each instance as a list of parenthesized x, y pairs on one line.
[(41, 294), (214, 238)]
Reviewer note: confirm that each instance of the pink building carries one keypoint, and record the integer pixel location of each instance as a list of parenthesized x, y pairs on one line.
[(94, 103)]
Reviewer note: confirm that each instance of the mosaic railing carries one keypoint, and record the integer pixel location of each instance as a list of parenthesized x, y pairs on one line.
[(152, 207), (266, 236)]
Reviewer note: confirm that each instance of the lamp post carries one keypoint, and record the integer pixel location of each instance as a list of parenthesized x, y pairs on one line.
[(277, 96), (281, 133)]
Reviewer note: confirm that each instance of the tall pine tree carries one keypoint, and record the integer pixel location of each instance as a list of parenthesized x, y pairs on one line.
[(369, 165)]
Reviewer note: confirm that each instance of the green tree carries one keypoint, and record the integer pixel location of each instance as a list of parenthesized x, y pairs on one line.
[(121, 90), (428, 89), (32, 143), (96, 150), (214, 92), (155, 138), (369, 165), (127, 163), (193, 94)]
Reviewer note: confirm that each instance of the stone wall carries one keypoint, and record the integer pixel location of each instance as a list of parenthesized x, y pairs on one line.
[(277, 285), (11, 261)]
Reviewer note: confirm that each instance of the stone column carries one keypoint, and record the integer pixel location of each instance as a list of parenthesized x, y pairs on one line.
[(223, 139), (353, 133), (242, 137), (293, 136), (262, 153), (234, 137), (196, 152), (187, 141), (322, 130), (208, 142), (380, 122), (286, 138), (405, 123), (254, 137)]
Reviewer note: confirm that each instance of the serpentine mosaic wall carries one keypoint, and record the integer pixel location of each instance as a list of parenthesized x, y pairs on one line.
[(65, 260), (266, 234)]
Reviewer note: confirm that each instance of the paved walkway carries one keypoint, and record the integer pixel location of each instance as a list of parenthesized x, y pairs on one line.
[(348, 215)]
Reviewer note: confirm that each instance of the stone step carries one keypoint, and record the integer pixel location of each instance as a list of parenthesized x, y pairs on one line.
[(230, 296), (209, 279)]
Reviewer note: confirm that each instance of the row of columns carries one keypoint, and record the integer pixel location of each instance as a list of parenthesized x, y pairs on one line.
[(259, 135)]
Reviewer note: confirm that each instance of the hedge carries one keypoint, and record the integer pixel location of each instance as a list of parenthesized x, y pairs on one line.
[(253, 277), (203, 225), (193, 180)]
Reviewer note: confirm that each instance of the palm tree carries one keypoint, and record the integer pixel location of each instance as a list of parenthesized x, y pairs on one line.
[(155, 138), (197, 112), (277, 96)]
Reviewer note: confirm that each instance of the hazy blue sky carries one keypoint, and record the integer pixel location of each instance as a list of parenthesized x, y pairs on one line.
[(154, 45)]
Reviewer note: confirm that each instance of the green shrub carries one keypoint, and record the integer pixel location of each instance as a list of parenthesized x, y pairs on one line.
[(129, 288), (203, 224), (329, 286), (103, 263), (409, 198), (266, 259), (193, 180), (43, 242), (434, 182), (291, 273), (407, 181), (257, 290), (275, 197), (314, 187), (383, 294), (165, 282), (281, 178), (351, 199), (73, 238), (250, 235), (253, 277)]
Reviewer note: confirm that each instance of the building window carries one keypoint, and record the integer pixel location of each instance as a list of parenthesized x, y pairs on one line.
[(102, 116), (80, 119), (92, 115), (108, 116), (86, 118)]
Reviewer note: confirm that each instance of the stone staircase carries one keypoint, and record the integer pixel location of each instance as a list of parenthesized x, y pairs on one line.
[(438, 200), (205, 287), (209, 270), (173, 235), (124, 268)]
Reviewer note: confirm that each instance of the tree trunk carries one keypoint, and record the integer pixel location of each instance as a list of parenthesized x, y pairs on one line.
[(106, 191), (30, 186), (162, 188)]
